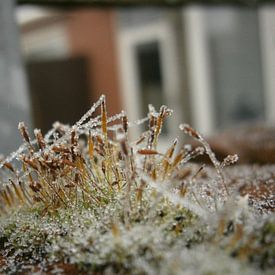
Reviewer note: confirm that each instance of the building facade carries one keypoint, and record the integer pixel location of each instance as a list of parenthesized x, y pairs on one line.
[(212, 66)]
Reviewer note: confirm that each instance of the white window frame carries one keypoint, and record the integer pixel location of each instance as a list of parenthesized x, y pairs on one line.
[(128, 38), (201, 96)]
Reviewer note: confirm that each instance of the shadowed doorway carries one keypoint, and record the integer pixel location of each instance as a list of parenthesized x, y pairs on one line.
[(59, 91)]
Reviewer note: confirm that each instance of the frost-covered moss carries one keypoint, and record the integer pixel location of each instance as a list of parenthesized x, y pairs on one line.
[(88, 199), (160, 238), (95, 238)]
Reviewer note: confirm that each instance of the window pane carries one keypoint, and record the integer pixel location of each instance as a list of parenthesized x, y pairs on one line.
[(150, 77), (236, 65)]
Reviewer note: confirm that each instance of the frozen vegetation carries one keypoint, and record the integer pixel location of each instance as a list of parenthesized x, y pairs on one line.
[(92, 199)]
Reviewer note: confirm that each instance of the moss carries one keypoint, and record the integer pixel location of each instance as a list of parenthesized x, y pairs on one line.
[(108, 204)]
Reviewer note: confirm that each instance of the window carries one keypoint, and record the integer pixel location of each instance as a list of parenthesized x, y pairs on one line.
[(150, 76)]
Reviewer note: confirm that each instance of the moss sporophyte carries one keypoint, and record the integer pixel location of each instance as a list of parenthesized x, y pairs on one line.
[(92, 198)]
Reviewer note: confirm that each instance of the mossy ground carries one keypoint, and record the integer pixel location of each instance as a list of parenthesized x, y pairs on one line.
[(91, 200), (159, 238)]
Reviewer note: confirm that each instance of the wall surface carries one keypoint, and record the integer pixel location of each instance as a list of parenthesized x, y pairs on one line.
[(92, 35), (14, 102)]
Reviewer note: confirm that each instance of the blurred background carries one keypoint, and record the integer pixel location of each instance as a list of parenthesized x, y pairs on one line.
[(213, 65)]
